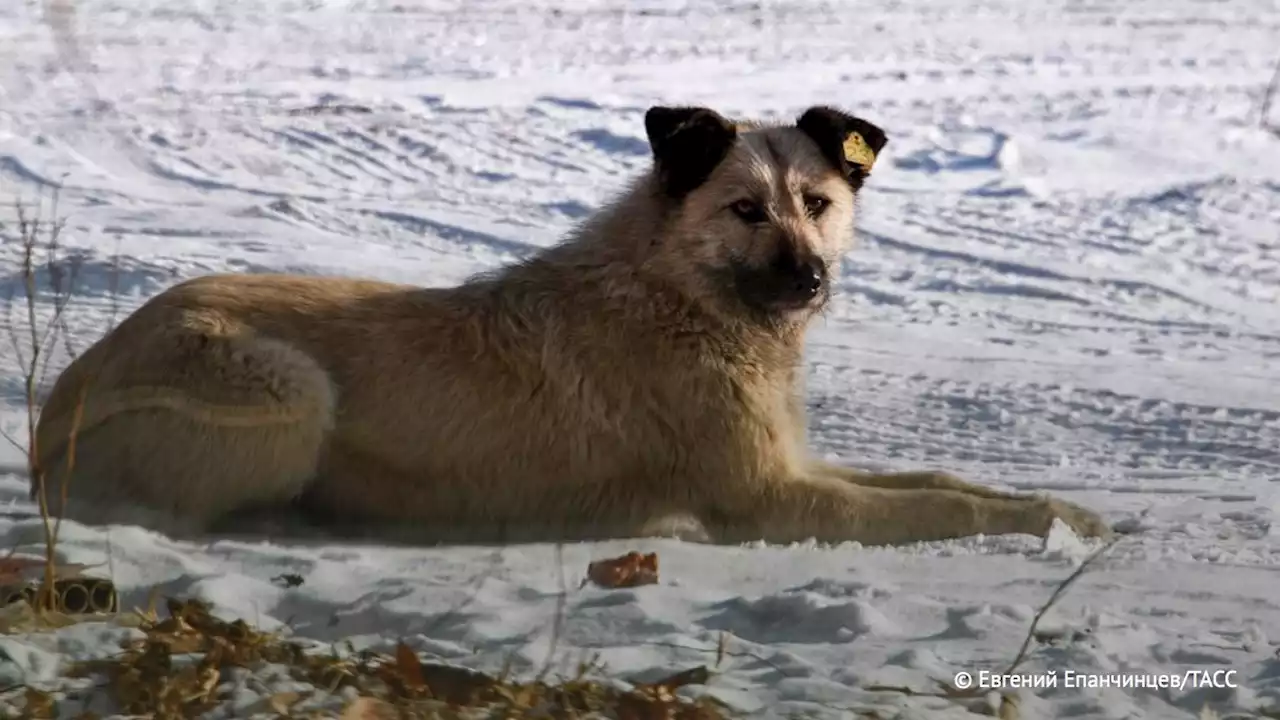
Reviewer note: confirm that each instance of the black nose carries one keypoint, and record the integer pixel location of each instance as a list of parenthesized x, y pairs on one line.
[(798, 278), (808, 279)]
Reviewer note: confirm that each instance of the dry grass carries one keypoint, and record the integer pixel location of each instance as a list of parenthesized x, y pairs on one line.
[(185, 664), (181, 665), (33, 335)]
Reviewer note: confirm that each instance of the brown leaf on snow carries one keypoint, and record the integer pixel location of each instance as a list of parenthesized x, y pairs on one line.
[(1009, 707), (14, 570), (409, 668), (282, 702), (193, 685), (456, 685), (367, 708), (630, 570), (18, 617), (147, 680), (667, 686), (39, 704), (20, 569)]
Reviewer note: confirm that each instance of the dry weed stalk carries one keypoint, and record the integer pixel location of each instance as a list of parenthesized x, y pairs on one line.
[(32, 341), (1264, 112), (147, 679), (1008, 708), (1057, 594)]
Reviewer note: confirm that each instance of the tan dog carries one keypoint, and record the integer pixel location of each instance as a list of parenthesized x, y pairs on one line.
[(639, 378)]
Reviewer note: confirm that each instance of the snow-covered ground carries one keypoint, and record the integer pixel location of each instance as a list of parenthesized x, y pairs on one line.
[(1068, 280)]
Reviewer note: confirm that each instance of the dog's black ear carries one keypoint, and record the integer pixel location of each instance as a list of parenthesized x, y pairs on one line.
[(849, 142), (688, 143)]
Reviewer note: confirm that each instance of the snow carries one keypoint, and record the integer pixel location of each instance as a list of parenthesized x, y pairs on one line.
[(1067, 281)]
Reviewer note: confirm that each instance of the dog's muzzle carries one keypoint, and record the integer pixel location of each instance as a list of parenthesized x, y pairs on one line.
[(790, 282)]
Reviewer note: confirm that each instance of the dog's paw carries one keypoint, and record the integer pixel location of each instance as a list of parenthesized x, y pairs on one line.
[(1084, 522)]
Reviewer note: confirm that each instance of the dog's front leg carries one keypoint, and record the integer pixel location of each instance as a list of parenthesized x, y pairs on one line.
[(1083, 520), (830, 509), (912, 480)]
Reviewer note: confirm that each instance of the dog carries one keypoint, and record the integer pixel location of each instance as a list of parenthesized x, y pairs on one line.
[(642, 377)]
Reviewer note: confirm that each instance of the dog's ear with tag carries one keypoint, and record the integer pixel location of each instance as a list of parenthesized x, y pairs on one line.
[(850, 143), (688, 143)]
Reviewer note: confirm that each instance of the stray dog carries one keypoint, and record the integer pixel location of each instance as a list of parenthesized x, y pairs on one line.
[(639, 378)]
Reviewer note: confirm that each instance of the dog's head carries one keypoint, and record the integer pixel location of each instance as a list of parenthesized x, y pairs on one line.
[(759, 215)]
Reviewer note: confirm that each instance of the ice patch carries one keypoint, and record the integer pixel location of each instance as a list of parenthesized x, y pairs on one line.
[(1062, 543)]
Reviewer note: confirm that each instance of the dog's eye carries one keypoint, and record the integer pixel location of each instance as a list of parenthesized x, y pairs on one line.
[(749, 211), (815, 205)]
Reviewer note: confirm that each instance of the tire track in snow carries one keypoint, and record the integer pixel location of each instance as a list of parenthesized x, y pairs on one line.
[(1104, 437)]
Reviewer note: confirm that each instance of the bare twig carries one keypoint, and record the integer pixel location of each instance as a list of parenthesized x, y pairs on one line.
[(33, 341), (1057, 594), (951, 692), (1264, 113), (562, 601)]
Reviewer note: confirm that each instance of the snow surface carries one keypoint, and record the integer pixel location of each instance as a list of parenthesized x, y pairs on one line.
[(1068, 281)]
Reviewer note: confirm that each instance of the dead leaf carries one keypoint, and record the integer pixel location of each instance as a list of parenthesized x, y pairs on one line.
[(409, 667), (149, 613), (17, 617), (693, 676), (282, 702), (185, 644), (1008, 707), (206, 682), (14, 570), (288, 580), (145, 680), (630, 570), (367, 708), (40, 705), (19, 569), (456, 685), (53, 619)]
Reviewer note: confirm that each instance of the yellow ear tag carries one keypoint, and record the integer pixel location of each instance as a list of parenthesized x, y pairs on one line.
[(858, 152)]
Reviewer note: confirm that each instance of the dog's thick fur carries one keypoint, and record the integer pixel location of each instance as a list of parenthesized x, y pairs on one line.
[(642, 377)]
